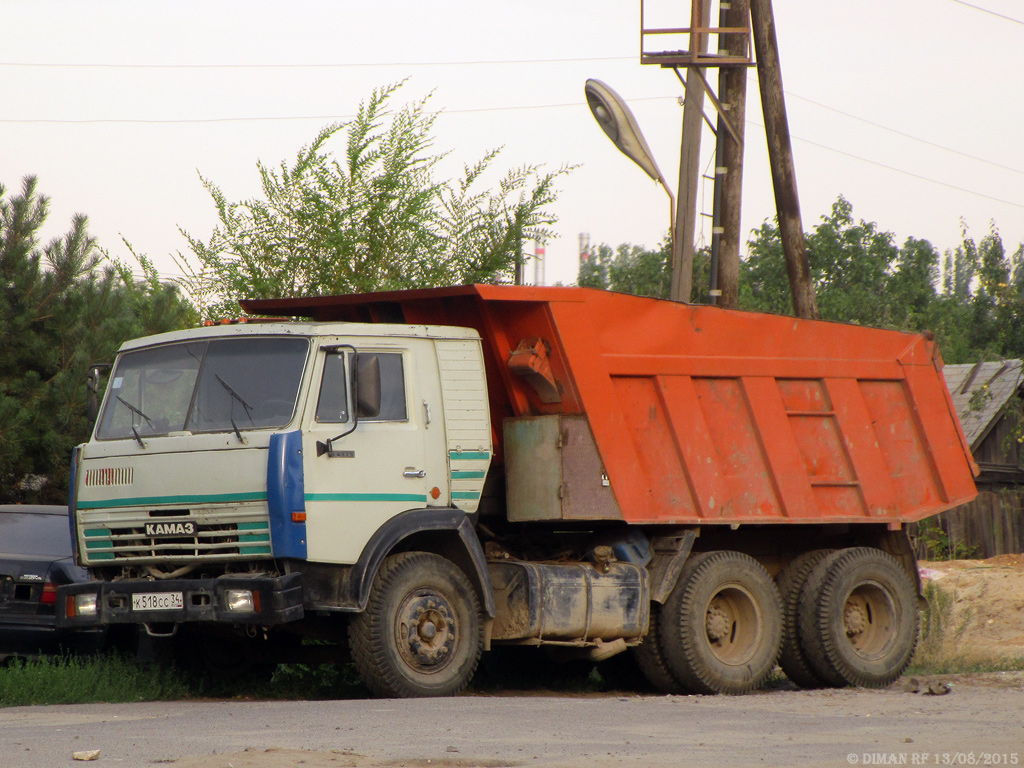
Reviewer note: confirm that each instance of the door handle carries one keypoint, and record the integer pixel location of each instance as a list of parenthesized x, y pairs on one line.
[(415, 473)]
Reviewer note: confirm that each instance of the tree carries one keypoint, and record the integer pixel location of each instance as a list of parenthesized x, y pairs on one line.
[(860, 275), (640, 271), (376, 219), (627, 269), (61, 308), (973, 306)]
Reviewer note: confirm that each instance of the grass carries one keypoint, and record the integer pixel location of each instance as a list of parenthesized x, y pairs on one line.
[(83, 679), (118, 678), (941, 649)]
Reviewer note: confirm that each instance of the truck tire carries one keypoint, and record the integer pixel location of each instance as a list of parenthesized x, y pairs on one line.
[(650, 658), (792, 656), (858, 618), (421, 633), (722, 624)]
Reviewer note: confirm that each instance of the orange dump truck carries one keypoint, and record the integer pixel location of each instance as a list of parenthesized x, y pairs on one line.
[(424, 475), (733, 446)]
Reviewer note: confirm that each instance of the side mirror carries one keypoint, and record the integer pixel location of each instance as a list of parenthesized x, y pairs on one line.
[(366, 385), (92, 383)]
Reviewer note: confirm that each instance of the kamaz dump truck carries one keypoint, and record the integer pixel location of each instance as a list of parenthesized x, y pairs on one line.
[(423, 475)]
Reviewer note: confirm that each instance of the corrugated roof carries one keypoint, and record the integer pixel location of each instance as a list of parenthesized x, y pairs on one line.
[(990, 385)]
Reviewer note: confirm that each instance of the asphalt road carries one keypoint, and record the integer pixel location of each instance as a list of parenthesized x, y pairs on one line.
[(980, 722)]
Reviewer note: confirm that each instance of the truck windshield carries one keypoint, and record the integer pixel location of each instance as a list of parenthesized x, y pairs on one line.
[(205, 386)]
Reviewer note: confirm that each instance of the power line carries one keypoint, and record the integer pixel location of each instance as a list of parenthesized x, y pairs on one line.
[(905, 173), (577, 104), (904, 134), (47, 65), (283, 118), (988, 11), (177, 121)]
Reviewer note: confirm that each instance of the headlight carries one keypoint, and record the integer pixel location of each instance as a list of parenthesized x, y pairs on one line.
[(82, 605), (242, 601)]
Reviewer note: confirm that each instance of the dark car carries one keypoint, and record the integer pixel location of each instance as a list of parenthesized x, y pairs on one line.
[(36, 558)]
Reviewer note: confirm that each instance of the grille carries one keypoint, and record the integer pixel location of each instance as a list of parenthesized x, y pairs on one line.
[(127, 541), (108, 476)]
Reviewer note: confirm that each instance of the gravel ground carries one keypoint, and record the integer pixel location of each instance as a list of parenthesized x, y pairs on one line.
[(977, 723)]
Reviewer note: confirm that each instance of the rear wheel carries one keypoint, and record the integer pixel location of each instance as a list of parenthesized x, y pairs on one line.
[(650, 658), (722, 624), (858, 618), (791, 581), (421, 633)]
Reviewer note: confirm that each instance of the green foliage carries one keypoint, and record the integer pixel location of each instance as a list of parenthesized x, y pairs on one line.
[(374, 219), (971, 297), (939, 545), (639, 271), (61, 308), (861, 276), (628, 269), (84, 679), (1013, 442)]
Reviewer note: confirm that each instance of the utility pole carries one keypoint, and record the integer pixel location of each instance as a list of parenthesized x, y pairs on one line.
[(739, 21), (732, 57), (780, 155), (732, 89), (689, 166)]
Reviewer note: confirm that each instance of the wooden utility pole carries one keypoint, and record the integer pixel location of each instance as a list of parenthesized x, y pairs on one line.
[(689, 168), (780, 155), (739, 21), (732, 90)]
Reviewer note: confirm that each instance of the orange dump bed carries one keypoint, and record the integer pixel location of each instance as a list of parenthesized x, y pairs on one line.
[(707, 415)]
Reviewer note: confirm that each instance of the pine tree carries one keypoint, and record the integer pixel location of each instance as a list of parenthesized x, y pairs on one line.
[(63, 306)]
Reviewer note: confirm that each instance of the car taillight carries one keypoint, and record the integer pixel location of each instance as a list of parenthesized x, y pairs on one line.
[(49, 596)]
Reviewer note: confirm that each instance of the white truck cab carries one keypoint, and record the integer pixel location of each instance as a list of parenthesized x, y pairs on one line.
[(232, 466)]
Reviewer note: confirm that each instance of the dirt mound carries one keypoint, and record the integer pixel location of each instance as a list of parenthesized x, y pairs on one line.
[(983, 611)]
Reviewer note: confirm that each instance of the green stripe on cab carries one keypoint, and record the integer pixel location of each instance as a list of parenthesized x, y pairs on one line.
[(417, 497), (140, 501)]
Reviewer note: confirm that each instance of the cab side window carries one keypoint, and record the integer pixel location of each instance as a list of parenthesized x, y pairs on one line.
[(333, 404), (392, 388)]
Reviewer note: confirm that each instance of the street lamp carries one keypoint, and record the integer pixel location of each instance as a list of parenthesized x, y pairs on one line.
[(618, 123)]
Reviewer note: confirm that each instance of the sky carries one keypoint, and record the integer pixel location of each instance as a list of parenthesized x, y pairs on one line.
[(913, 111)]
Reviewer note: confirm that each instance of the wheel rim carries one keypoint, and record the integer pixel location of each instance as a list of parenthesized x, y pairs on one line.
[(732, 623), (869, 619), (425, 632)]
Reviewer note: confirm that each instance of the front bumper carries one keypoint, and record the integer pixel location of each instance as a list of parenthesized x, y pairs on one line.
[(275, 601)]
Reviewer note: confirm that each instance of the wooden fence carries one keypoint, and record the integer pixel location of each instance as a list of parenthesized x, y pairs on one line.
[(993, 524)]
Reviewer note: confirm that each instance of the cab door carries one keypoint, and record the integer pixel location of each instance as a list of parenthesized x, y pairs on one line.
[(377, 466)]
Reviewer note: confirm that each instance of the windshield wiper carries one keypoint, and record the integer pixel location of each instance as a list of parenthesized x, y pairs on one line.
[(134, 410), (231, 415)]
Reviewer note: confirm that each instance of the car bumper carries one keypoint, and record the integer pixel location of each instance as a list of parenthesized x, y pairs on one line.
[(38, 635), (275, 601)]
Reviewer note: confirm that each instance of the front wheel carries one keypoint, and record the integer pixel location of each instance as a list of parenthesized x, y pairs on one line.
[(421, 633), (722, 624)]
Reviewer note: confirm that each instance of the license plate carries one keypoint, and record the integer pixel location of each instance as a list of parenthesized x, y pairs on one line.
[(157, 601)]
